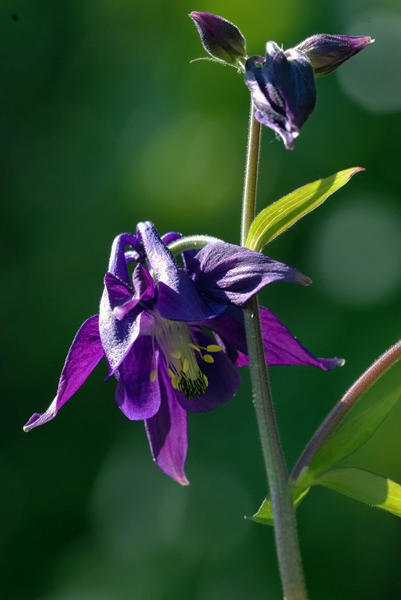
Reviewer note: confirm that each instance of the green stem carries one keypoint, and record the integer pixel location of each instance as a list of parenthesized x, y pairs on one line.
[(251, 176), (355, 392), (285, 531)]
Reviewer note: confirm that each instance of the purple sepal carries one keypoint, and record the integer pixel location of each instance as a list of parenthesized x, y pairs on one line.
[(281, 347), (232, 274), (83, 356), (167, 433), (327, 52)]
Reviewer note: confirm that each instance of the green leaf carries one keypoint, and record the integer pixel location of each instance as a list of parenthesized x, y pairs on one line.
[(281, 215), (346, 440), (366, 487), (265, 512)]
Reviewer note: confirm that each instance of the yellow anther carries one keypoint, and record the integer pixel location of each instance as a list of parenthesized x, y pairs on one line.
[(178, 346), (213, 348), (205, 379), (153, 375), (174, 378)]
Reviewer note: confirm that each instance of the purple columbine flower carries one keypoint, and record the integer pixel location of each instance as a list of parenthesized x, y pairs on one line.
[(282, 84), (283, 91), (174, 336)]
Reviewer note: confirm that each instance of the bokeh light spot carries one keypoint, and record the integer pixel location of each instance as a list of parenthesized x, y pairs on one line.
[(356, 252), (187, 166), (373, 78)]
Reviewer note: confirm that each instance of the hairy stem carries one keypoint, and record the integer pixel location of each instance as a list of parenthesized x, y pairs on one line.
[(355, 392), (251, 176), (288, 553)]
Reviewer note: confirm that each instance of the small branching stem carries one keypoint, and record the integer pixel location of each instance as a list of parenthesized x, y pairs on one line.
[(355, 392)]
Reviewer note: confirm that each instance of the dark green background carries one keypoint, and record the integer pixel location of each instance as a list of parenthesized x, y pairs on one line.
[(103, 123)]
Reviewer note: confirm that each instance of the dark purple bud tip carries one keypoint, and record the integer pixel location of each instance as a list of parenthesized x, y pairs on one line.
[(327, 52), (220, 38)]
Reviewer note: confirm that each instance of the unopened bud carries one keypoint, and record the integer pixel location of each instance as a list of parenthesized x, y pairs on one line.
[(327, 52), (220, 38)]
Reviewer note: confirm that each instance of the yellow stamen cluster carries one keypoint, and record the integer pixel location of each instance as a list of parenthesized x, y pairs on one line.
[(177, 344)]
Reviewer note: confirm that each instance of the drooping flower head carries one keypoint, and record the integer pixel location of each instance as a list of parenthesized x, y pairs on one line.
[(283, 90), (282, 83), (174, 336)]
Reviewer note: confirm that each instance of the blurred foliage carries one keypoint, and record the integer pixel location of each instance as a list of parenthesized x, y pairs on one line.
[(104, 122)]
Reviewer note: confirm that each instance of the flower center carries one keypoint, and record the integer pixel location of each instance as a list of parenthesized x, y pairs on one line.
[(178, 346)]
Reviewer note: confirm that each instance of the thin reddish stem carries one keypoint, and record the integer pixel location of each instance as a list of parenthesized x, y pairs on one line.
[(355, 392)]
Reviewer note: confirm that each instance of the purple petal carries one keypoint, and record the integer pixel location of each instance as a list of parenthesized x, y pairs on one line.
[(224, 379), (167, 433), (172, 236), (136, 395), (178, 299), (85, 353), (122, 298), (231, 274), (119, 326), (144, 284), (118, 262), (117, 291)]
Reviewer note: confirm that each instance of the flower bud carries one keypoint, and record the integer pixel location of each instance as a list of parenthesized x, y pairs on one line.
[(327, 52), (220, 38)]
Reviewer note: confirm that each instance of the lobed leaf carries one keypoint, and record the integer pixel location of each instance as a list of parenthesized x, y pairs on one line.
[(366, 487), (279, 216)]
